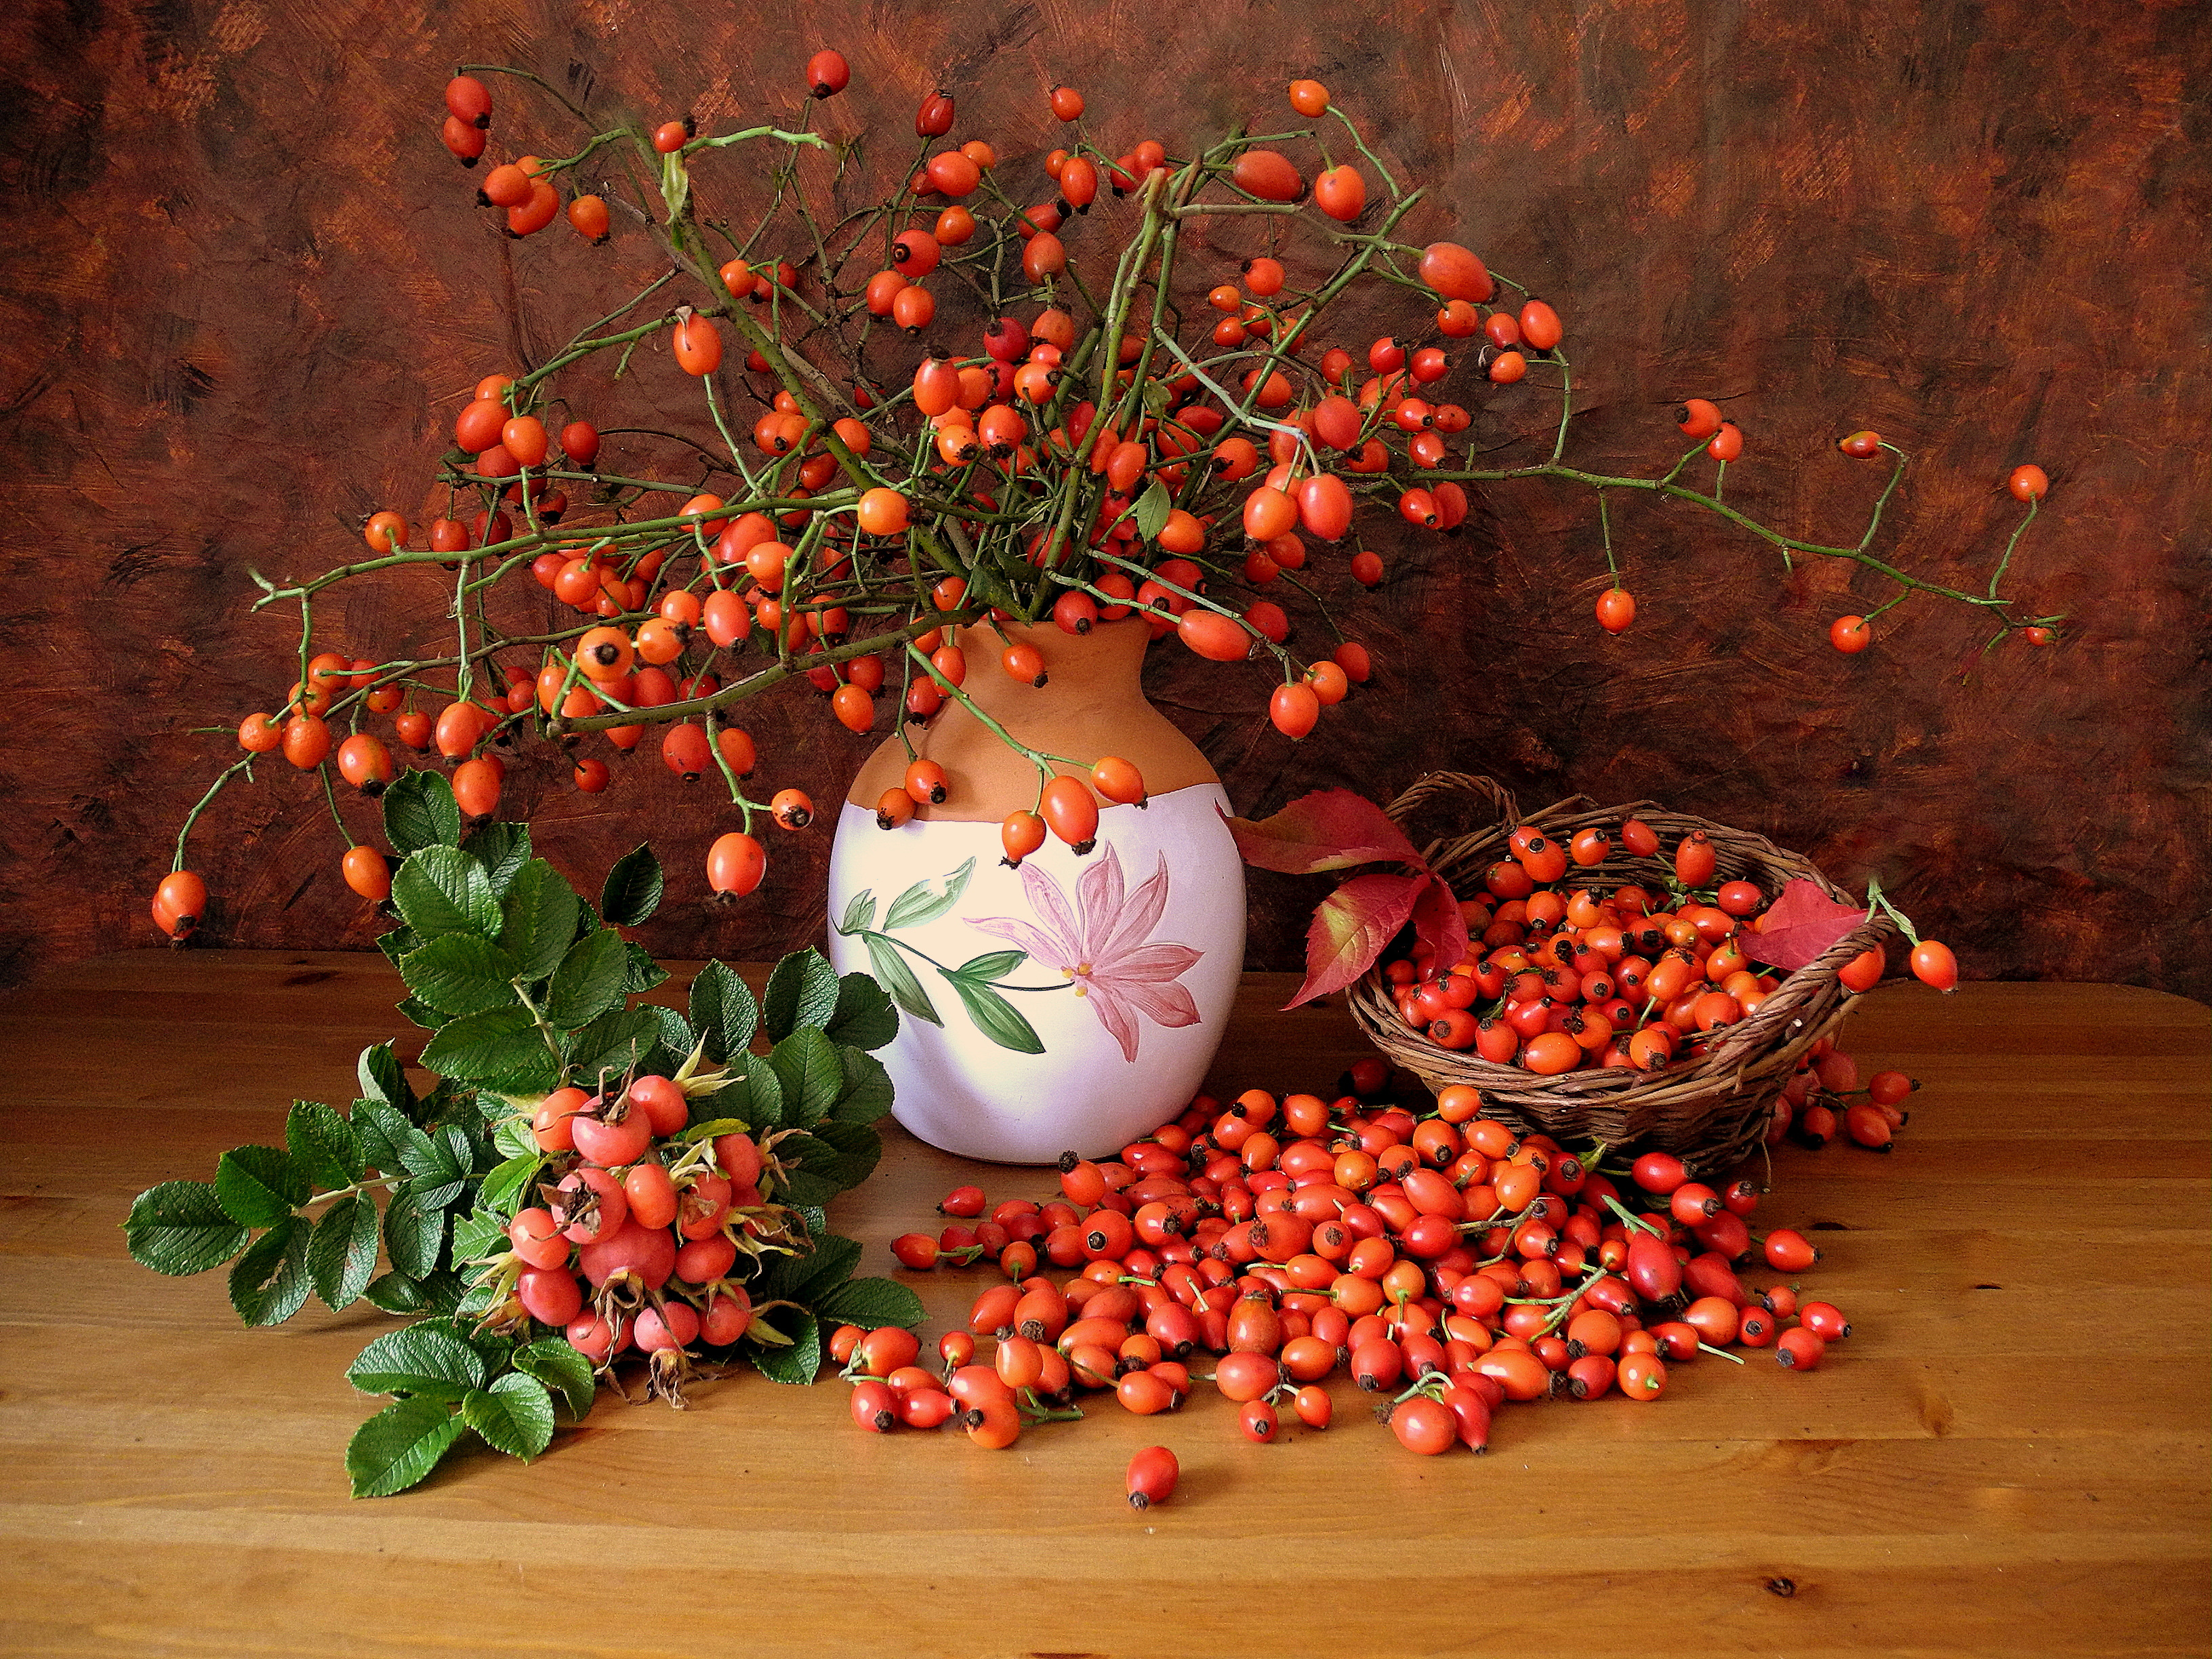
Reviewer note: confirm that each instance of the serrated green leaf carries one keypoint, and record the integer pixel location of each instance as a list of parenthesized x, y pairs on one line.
[(996, 1018), (857, 1148), (394, 1293), (514, 1415), (1153, 509), (894, 977), (723, 1012), (442, 890), (419, 1012), (802, 991), (425, 1358), (413, 1235), (865, 1017), (503, 1043), (562, 1369), (538, 919), (400, 1445), (589, 980), (711, 1127), (926, 900), (323, 1144), (506, 1183), (419, 811), (513, 1136), (503, 848), (180, 1228), (396, 944), (612, 1044), (383, 1078), (460, 974), (810, 1075), (341, 1254), (480, 1234), (260, 1186), (870, 1304), (830, 1264), (642, 973), (633, 890), (384, 1134), (800, 1361), (270, 1281), (441, 1166), (868, 1093), (676, 1033), (860, 914), (754, 1094)]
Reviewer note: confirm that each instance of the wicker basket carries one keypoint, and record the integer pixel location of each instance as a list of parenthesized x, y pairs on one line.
[(1710, 1111)]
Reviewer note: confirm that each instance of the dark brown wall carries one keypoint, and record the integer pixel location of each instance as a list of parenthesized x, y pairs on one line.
[(243, 288)]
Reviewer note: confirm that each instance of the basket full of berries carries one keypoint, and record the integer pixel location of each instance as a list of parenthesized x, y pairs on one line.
[(1623, 974)]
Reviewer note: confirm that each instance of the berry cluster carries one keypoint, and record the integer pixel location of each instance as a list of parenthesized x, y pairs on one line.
[(1447, 1264), (1562, 975)]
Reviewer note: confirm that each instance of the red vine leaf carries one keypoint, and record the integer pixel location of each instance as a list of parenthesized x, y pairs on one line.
[(1438, 924), (1799, 927), (1329, 829), (1350, 928)]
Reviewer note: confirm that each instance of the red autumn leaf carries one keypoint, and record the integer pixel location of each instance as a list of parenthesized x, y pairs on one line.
[(1350, 928), (1799, 927), (1438, 924), (1329, 829)]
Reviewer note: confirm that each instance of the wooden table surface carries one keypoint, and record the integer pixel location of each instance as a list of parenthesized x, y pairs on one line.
[(2009, 1454)]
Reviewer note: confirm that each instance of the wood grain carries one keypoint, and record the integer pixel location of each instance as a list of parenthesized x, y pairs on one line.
[(2007, 1456), (243, 286)]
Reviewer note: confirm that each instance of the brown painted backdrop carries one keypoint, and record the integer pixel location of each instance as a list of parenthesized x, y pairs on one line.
[(243, 286)]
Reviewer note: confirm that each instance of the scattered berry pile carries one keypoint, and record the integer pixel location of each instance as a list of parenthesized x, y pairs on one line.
[(1449, 1265)]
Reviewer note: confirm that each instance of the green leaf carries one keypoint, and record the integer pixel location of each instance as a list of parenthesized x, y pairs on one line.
[(864, 1018), (1153, 509), (460, 974), (588, 981), (798, 1363), (341, 1254), (442, 890), (633, 890), (997, 1018), (676, 1033), (419, 811), (514, 1415), (537, 919), (723, 1012), (868, 1093), (500, 1043), (992, 964), (506, 1182), (926, 900), (385, 1135), (562, 1369), (413, 1235), (642, 973), (503, 848), (860, 914), (422, 1014), (400, 1445), (382, 1078), (711, 1127), (894, 977), (260, 1186), (424, 1358), (323, 1144), (512, 1135), (270, 1281), (479, 1234), (755, 1095), (396, 1292), (806, 1066), (439, 1165), (396, 944), (802, 991), (870, 1304), (832, 1158), (830, 1265), (612, 1044), (181, 1227)]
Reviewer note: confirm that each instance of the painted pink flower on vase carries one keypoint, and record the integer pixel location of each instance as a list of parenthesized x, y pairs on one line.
[(1101, 946)]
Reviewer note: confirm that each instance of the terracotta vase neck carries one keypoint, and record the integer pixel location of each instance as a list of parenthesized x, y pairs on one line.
[(1092, 705)]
